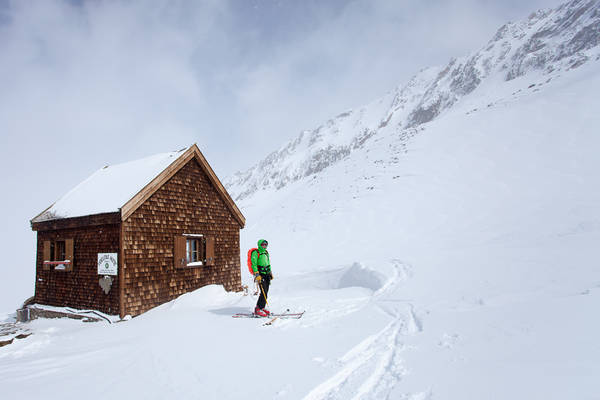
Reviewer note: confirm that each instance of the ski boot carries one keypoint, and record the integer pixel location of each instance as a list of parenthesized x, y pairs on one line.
[(260, 312)]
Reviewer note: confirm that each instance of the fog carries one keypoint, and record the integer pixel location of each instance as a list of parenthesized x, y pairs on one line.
[(90, 83)]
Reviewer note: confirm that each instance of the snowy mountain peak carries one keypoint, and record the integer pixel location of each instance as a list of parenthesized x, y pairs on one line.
[(547, 42)]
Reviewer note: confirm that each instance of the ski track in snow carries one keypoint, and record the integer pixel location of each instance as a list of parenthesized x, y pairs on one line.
[(371, 369)]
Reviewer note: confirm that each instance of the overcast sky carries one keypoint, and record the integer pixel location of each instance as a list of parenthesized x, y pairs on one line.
[(89, 83)]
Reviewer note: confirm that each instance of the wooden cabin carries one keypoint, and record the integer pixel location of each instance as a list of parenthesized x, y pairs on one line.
[(135, 235)]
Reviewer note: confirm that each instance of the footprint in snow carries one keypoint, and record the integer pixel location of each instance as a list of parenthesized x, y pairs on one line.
[(448, 341)]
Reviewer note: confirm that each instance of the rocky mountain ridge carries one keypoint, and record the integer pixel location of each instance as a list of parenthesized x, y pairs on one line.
[(548, 42)]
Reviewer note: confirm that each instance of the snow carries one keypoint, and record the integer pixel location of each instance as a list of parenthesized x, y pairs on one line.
[(195, 264), (468, 271), (493, 216), (109, 188), (452, 260), (69, 310)]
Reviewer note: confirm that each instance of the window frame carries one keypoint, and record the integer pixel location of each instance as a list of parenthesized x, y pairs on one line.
[(60, 250), (194, 256), (58, 254), (192, 249)]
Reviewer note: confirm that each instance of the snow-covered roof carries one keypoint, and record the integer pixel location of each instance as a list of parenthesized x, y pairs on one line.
[(109, 188)]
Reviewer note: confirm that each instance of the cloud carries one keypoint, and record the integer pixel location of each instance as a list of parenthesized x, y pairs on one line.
[(85, 83), (161, 74), (355, 53)]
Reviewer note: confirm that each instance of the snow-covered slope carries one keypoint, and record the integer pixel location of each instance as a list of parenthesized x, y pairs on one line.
[(485, 223), (452, 259), (548, 42)]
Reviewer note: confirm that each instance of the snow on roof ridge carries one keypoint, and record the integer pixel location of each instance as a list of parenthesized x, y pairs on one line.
[(144, 158), (109, 188)]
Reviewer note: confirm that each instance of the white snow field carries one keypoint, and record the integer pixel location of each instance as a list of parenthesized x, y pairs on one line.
[(466, 268), (457, 258)]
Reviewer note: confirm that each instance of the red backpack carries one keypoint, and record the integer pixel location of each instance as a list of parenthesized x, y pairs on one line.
[(250, 260)]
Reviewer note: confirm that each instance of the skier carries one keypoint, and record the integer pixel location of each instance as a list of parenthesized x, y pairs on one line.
[(261, 266)]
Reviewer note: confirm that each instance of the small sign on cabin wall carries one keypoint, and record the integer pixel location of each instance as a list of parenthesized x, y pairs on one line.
[(107, 264)]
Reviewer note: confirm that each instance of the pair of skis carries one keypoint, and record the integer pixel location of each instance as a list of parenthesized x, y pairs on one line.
[(273, 316)]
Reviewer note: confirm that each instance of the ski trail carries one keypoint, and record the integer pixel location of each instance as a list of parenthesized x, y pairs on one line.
[(372, 366), (371, 369), (388, 370)]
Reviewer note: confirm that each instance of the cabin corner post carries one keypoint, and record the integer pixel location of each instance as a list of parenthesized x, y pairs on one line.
[(122, 311), (38, 264)]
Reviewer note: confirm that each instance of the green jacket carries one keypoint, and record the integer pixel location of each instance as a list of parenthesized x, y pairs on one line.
[(260, 260)]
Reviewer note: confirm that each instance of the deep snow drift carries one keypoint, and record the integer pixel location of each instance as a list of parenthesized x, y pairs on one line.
[(455, 259)]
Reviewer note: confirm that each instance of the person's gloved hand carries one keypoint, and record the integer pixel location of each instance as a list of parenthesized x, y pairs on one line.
[(271, 276), (257, 278)]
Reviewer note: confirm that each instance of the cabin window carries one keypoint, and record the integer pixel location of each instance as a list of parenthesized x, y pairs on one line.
[(59, 250), (194, 250), (58, 255)]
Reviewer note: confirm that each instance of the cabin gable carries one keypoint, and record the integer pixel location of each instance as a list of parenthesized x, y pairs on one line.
[(192, 153), (188, 203)]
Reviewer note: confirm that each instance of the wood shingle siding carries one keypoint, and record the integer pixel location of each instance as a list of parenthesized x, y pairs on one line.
[(78, 288), (188, 202)]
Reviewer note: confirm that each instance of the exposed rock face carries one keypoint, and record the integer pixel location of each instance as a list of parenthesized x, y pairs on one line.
[(547, 42)]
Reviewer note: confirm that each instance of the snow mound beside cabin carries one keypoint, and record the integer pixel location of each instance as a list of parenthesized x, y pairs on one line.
[(356, 275), (201, 299)]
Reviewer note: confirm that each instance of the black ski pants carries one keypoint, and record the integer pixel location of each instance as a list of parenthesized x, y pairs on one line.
[(264, 292)]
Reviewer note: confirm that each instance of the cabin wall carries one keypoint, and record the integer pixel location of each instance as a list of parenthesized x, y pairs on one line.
[(78, 288), (187, 203)]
